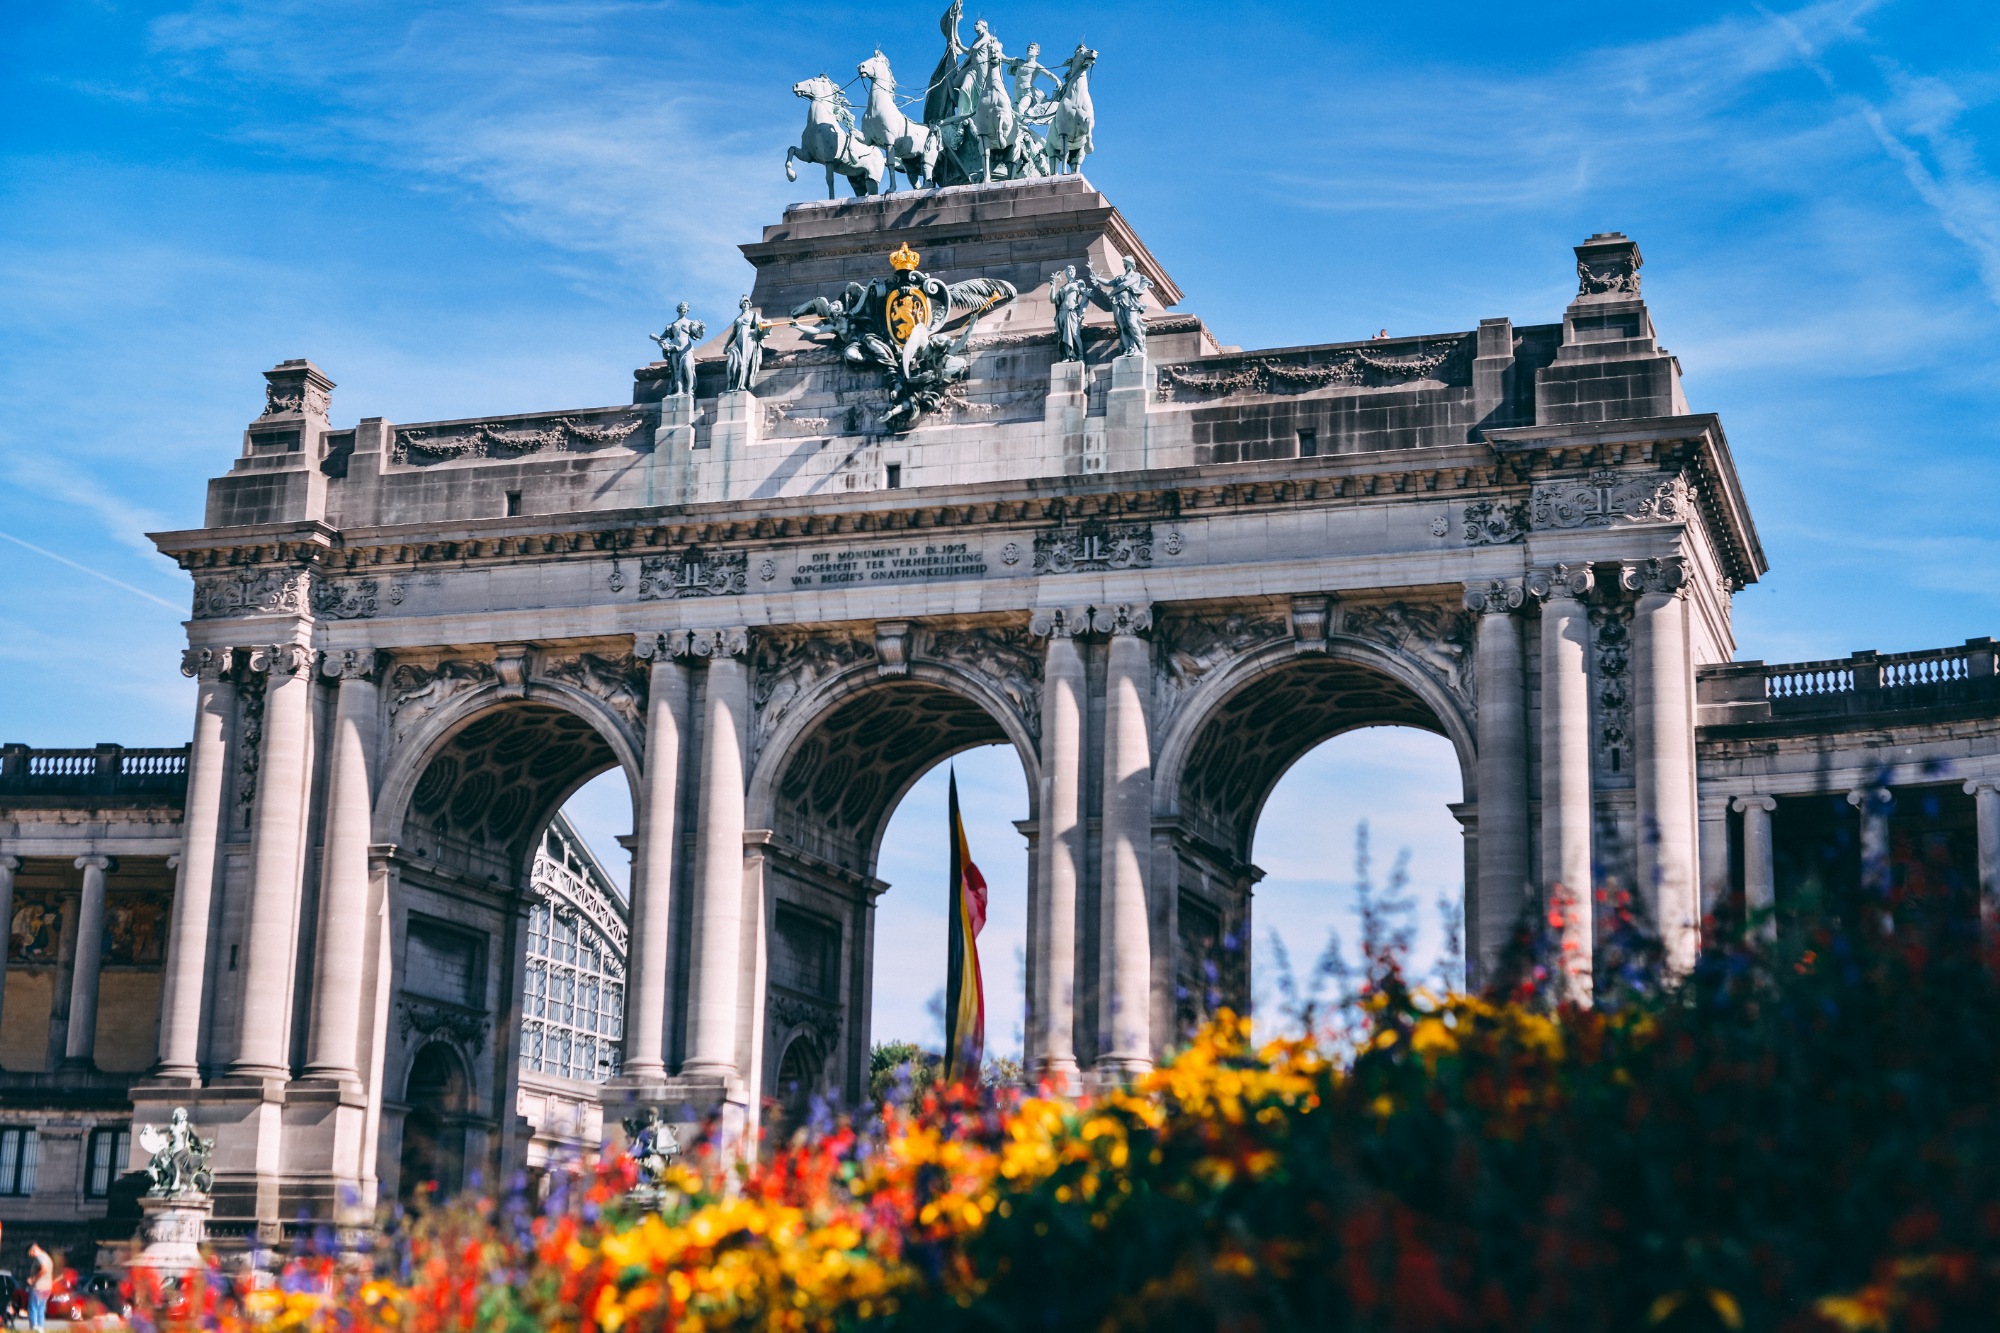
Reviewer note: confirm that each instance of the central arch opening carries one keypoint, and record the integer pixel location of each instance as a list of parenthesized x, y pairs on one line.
[(857, 878)]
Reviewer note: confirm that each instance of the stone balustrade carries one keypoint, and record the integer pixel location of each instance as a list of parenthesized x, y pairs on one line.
[(1862, 682), (104, 771)]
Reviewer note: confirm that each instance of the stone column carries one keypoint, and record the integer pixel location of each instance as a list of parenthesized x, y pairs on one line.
[(1986, 807), (1663, 769), (645, 1058), (1502, 882), (186, 974), (1874, 803), (276, 823), (81, 1043), (1760, 880), (334, 1045), (1061, 843), (1126, 961), (718, 928), (1566, 812), (8, 865)]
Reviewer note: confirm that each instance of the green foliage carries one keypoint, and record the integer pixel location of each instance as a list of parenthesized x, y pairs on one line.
[(901, 1070)]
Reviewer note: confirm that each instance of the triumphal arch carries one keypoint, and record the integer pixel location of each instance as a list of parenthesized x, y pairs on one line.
[(959, 472)]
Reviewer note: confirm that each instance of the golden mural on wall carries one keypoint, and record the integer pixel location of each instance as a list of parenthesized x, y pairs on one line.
[(34, 935), (135, 928)]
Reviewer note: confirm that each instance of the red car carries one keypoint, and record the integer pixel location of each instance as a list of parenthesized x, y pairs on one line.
[(89, 1296)]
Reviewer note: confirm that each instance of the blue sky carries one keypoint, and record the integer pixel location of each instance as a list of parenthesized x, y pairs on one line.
[(459, 209)]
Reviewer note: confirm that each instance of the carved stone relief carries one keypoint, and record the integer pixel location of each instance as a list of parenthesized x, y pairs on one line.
[(619, 681), (1094, 545), (249, 742), (788, 664), (693, 573), (1440, 639), (415, 692), (459, 1027), (1607, 497), (350, 600), (1193, 647), (1611, 642), (487, 439), (1004, 658), (251, 592), (819, 1017), (1495, 523)]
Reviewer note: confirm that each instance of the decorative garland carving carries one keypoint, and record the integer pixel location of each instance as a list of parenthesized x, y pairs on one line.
[(819, 1017), (249, 741), (1283, 375), (1611, 642), (486, 439)]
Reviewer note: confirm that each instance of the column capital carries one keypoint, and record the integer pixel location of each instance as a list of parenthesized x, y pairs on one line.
[(1495, 597), (1127, 618), (1973, 786), (1865, 797), (95, 862), (9, 864), (1560, 582), (350, 663), (206, 664), (1764, 803), (660, 646), (1059, 622), (732, 641), (281, 659), (1667, 575)]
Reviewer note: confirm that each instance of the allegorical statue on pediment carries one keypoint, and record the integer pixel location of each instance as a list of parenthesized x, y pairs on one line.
[(986, 117), (898, 325), (745, 349), (677, 343), (1069, 295), (1125, 297)]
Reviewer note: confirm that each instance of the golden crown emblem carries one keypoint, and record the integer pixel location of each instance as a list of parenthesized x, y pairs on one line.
[(904, 259)]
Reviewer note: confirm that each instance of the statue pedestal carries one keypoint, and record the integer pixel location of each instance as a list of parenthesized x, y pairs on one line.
[(1125, 413), (670, 470), (1063, 415), (174, 1230), (739, 423)]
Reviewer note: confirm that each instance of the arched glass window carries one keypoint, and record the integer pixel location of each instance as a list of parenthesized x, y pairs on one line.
[(573, 1009)]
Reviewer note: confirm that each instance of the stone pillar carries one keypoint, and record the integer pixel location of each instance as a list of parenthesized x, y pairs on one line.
[(646, 976), (1125, 413), (186, 975), (81, 1043), (1126, 962), (1566, 812), (1760, 880), (8, 866), (1874, 803), (276, 824), (1061, 842), (1663, 770), (718, 929), (334, 1045), (1064, 413), (1986, 806), (1502, 882)]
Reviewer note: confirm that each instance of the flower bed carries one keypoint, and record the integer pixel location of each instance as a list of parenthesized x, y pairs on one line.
[(1799, 1137)]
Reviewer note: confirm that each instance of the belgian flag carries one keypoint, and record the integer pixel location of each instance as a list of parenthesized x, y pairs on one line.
[(964, 991)]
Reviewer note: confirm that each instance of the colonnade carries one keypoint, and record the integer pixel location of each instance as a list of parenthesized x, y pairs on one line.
[(1663, 741)]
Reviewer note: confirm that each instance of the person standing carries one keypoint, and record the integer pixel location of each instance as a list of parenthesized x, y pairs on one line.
[(41, 1281)]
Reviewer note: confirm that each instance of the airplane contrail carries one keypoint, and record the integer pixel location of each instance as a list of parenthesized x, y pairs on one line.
[(96, 574)]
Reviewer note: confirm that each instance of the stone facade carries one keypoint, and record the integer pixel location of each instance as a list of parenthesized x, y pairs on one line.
[(1160, 579)]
